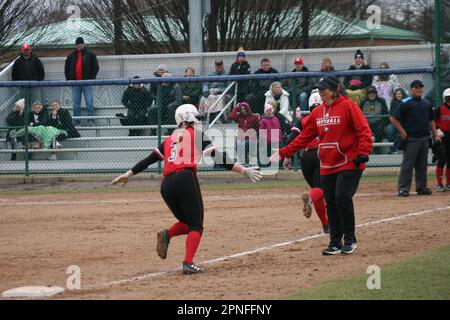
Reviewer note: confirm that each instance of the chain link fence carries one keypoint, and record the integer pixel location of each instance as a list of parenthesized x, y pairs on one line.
[(126, 119)]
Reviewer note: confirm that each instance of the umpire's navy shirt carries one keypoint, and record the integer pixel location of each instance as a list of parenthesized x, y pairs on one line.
[(415, 115)]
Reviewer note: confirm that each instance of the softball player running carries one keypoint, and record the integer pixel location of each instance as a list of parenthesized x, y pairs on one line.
[(180, 188), (310, 165), (443, 147)]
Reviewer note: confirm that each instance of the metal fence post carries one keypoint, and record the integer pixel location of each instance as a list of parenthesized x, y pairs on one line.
[(158, 106), (437, 52), (26, 122)]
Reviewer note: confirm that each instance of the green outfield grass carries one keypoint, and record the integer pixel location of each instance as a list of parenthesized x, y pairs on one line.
[(293, 181), (424, 277)]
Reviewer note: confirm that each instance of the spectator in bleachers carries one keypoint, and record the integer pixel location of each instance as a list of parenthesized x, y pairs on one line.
[(171, 98), (15, 118), (82, 64), (299, 88), (386, 85), (269, 132), (158, 74), (279, 98), (38, 115), (391, 133), (191, 91), (326, 65), (241, 67), (137, 100), (260, 86), (374, 108), (213, 90), (28, 67), (357, 85), (247, 137), (414, 119), (61, 119)]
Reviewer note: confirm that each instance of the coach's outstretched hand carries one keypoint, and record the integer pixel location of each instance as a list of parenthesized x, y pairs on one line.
[(287, 163), (253, 174), (275, 158), (123, 179)]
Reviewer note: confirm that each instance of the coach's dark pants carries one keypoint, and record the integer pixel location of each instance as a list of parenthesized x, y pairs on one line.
[(181, 192), (339, 189)]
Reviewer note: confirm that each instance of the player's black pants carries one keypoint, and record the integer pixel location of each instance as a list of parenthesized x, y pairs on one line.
[(181, 192), (310, 164), (339, 189)]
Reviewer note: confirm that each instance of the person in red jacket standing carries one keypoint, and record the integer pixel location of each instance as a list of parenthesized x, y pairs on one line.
[(345, 142), (247, 137), (443, 125)]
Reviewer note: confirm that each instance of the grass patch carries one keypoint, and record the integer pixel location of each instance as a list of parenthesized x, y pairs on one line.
[(294, 180), (426, 277)]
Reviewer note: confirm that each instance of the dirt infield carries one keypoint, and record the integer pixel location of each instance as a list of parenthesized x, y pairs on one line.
[(111, 237)]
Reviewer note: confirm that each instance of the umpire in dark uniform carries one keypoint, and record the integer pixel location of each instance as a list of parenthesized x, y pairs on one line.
[(414, 119)]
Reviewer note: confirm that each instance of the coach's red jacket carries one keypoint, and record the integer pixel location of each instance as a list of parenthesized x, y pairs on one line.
[(343, 133)]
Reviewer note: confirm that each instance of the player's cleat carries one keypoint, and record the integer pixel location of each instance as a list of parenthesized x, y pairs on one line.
[(190, 268), (448, 187), (326, 228), (307, 208), (440, 188), (332, 250), (424, 192), (403, 194), (162, 245), (349, 248)]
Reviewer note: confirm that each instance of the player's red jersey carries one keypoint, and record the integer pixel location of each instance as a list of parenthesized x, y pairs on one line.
[(443, 120), (181, 152)]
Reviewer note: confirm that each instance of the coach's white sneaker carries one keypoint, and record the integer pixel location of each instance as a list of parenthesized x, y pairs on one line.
[(307, 202)]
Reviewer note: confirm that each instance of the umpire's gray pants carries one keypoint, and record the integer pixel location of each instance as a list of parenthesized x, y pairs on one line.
[(415, 156)]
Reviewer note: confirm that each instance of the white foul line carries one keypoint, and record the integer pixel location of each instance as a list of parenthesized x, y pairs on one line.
[(257, 250), (5, 202)]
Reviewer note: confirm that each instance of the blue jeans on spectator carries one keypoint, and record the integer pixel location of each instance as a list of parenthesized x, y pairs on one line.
[(303, 98), (392, 135), (88, 93)]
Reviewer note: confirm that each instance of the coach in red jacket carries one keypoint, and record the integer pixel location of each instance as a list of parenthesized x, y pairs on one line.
[(344, 148)]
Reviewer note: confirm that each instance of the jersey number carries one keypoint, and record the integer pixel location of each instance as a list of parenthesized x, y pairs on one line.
[(173, 151)]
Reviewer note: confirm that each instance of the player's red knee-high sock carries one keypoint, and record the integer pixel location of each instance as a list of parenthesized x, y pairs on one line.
[(192, 243), (447, 174), (316, 195), (178, 229), (439, 175)]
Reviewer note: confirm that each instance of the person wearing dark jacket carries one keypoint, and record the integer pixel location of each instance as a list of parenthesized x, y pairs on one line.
[(299, 88), (171, 99), (376, 112), (137, 100), (61, 119), (158, 74), (15, 118), (191, 91), (241, 67), (261, 86), (38, 115), (357, 85), (28, 67), (82, 64)]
